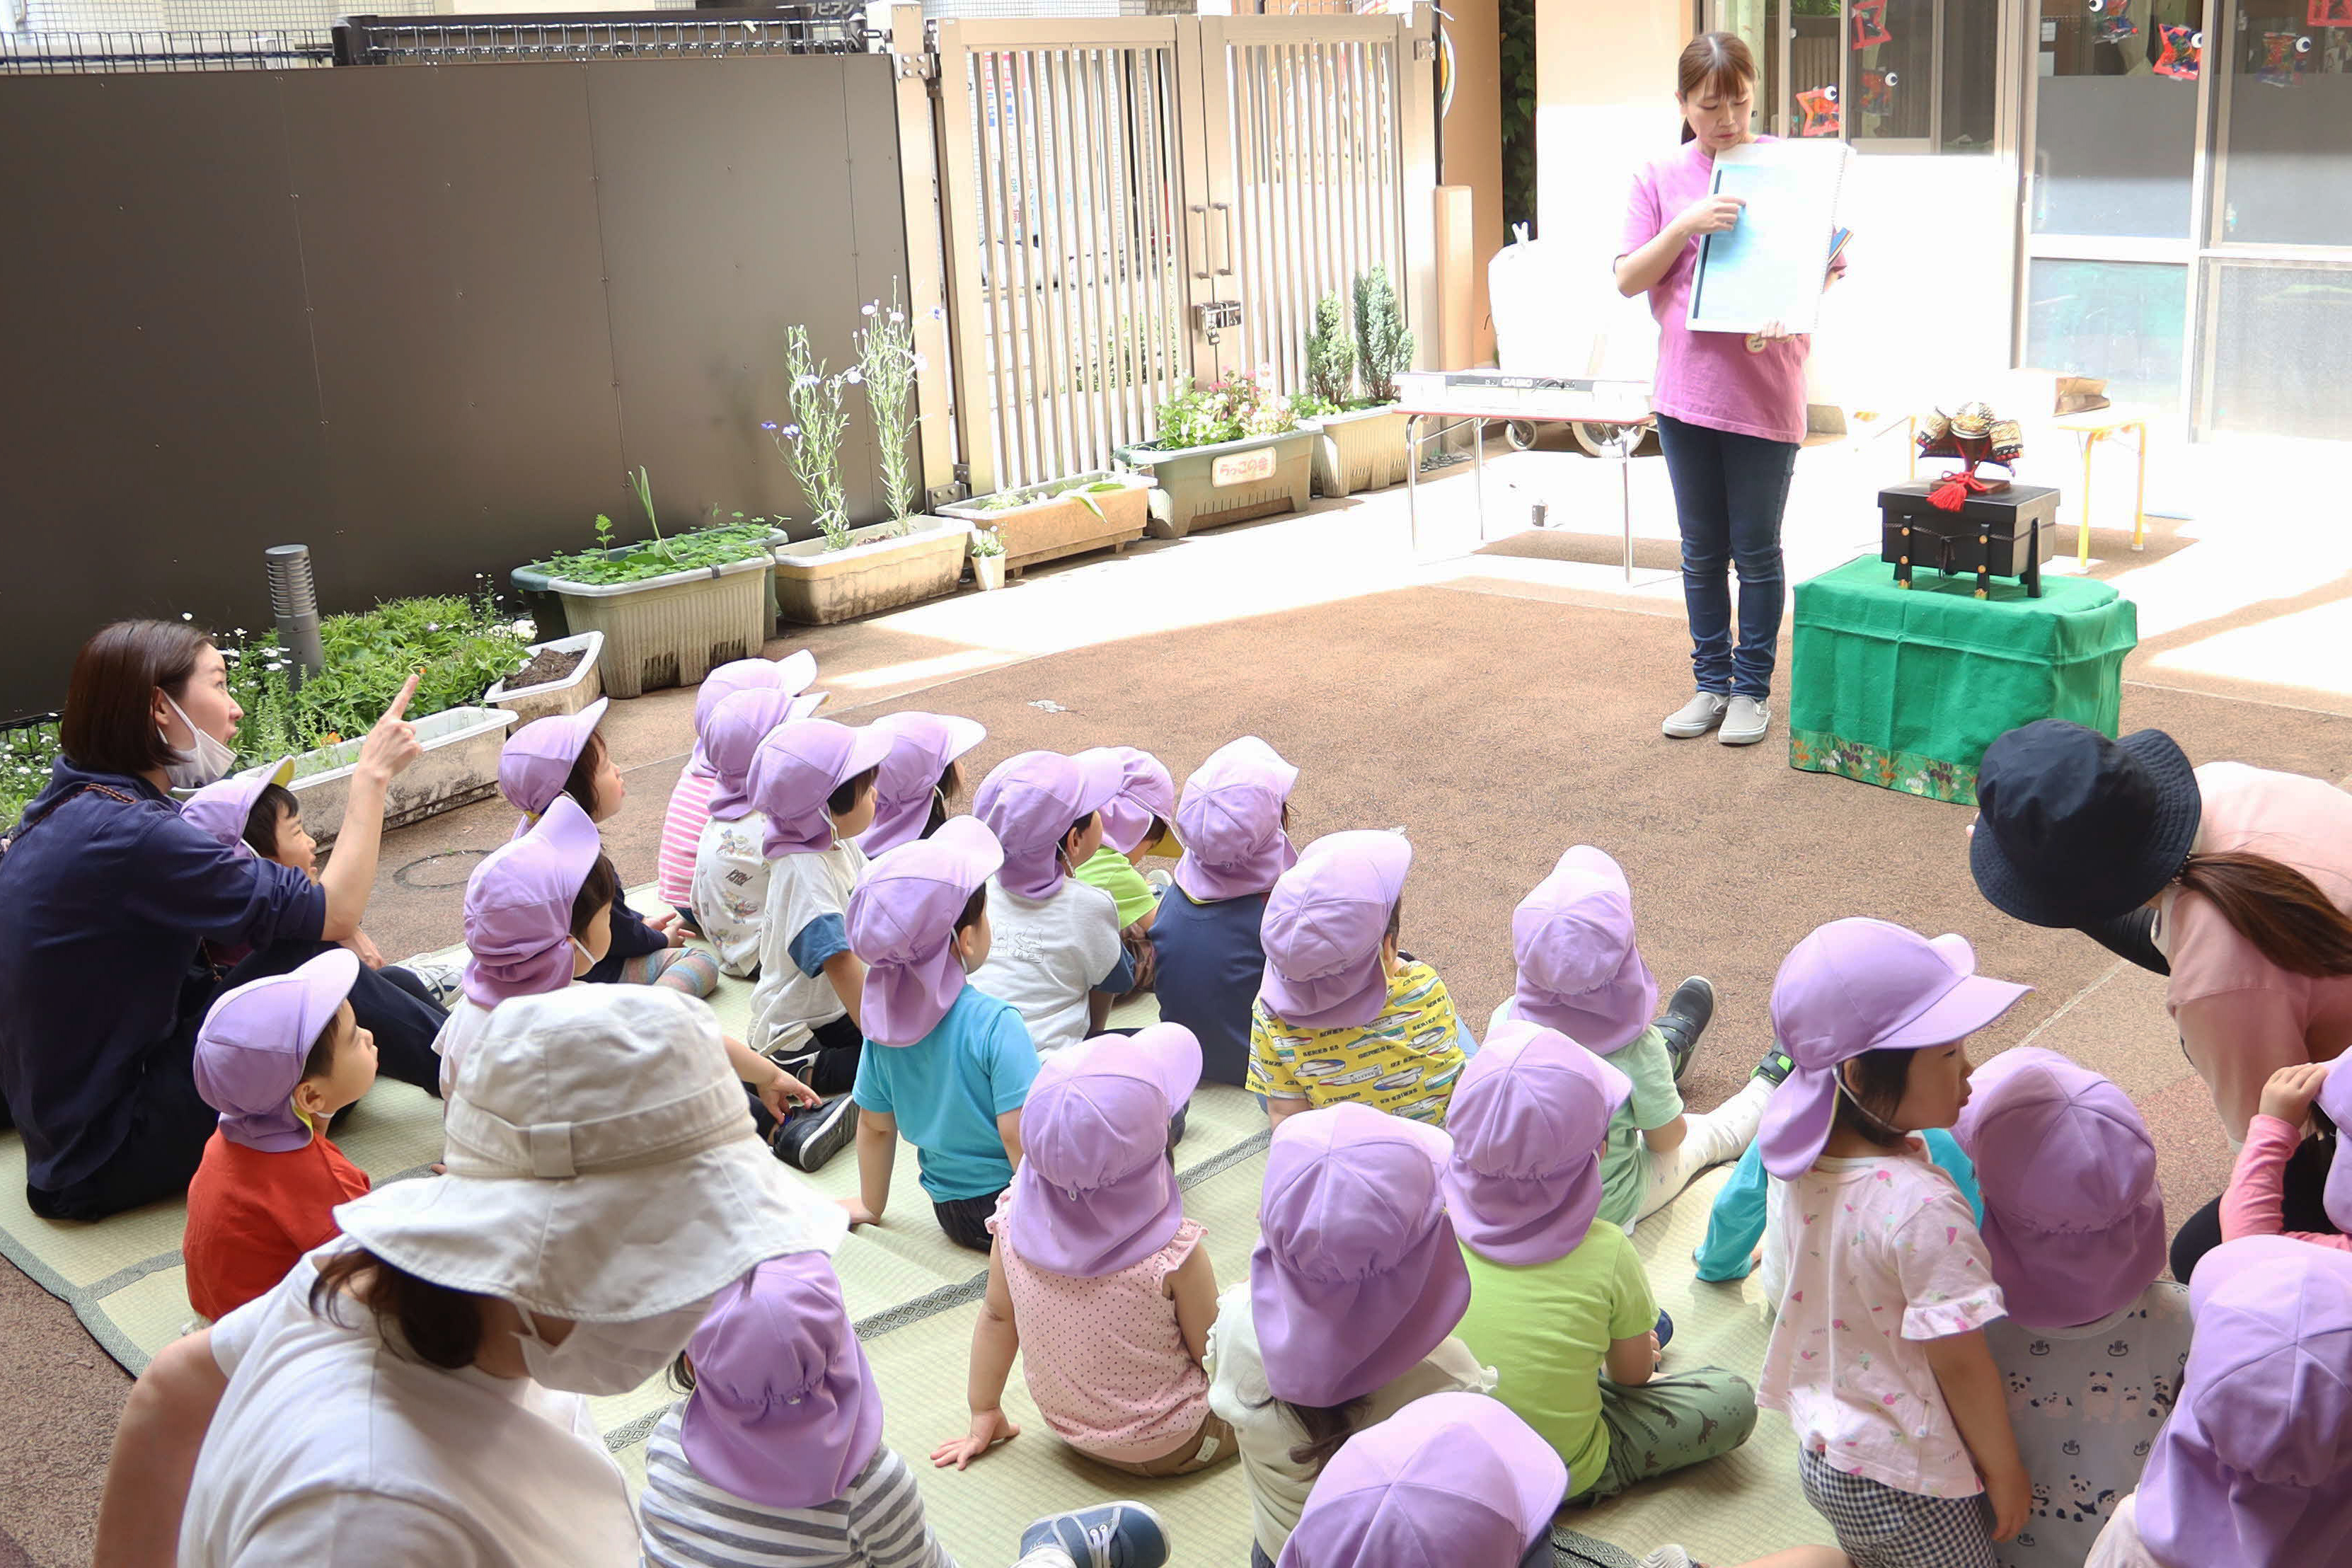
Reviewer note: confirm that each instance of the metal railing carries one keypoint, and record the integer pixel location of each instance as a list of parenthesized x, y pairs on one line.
[(69, 52), (810, 27)]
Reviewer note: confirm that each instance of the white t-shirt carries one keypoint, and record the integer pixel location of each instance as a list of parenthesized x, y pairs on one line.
[(730, 889), (329, 1448), (1046, 955), (456, 1037), (2119, 1545), (802, 889), (1265, 1432)]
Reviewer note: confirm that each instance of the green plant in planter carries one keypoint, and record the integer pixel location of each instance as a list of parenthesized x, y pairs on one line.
[(679, 553), (985, 541), (1087, 493), (1382, 345), (811, 444), (1330, 357), (26, 752), (887, 364), (1222, 411)]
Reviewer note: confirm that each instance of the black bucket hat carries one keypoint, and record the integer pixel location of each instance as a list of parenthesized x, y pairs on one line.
[(2077, 828)]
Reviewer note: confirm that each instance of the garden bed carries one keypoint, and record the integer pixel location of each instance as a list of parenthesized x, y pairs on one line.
[(1359, 449), (459, 766), (1225, 481), (883, 569), (1097, 511), (558, 677)]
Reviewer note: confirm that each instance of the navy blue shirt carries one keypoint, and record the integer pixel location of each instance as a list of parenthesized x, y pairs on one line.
[(1208, 964), (632, 938), (108, 902)]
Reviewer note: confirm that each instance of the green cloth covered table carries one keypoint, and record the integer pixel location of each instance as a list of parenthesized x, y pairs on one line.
[(1905, 688)]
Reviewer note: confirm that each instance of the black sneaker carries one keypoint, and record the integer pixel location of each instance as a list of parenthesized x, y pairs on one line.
[(1775, 1066), (811, 1137), (799, 1063), (1685, 1019)]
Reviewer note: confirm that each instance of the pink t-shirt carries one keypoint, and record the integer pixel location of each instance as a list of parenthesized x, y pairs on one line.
[(2255, 1204), (690, 808), (2242, 1017), (1883, 1254), (1710, 378), (1105, 1360)]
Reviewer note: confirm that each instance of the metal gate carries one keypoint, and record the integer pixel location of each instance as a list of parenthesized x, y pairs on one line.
[(1130, 201)]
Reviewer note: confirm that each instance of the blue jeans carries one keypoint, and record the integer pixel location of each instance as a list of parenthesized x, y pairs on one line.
[(1729, 491)]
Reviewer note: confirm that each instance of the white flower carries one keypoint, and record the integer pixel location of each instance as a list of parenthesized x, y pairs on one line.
[(804, 380), (186, 615), (526, 628), (433, 625), (853, 375), (898, 316), (869, 309), (789, 432), (919, 362)]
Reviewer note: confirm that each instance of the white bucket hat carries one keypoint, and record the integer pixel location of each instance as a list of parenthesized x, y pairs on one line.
[(603, 1166)]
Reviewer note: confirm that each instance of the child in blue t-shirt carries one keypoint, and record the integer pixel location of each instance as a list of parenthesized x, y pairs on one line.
[(946, 1064)]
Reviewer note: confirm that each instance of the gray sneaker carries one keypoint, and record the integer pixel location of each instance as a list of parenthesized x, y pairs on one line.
[(1745, 721), (1703, 713)]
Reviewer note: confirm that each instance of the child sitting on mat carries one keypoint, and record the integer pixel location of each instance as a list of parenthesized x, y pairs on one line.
[(1558, 1303), (394, 1002), (730, 867), (1097, 1281), (564, 755), (1135, 822), (812, 780), (1055, 953), (689, 798), (947, 1063), (2317, 1092), (1581, 973), (2090, 1353), (776, 1454), (276, 1058), (1878, 1356), (1341, 1014), (921, 777), (1207, 960)]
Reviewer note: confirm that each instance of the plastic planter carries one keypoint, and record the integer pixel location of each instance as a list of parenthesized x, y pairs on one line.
[(536, 589), (1359, 449), (460, 765), (817, 586), (1046, 526), (1229, 482), (569, 695), (666, 630)]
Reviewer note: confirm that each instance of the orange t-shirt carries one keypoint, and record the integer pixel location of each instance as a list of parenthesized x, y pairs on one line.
[(251, 1214)]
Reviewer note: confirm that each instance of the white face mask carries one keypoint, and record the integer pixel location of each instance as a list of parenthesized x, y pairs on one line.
[(609, 1358), (208, 763)]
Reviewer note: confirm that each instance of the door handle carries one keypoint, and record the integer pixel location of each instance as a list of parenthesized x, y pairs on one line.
[(1200, 238), (1227, 209)]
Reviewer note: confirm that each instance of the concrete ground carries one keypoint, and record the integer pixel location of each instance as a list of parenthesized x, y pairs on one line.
[(1499, 701)]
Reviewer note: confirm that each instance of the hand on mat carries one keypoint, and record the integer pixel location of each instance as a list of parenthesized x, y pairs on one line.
[(858, 1212), (392, 745), (670, 926), (989, 1427), (2011, 1494), (2290, 1091)]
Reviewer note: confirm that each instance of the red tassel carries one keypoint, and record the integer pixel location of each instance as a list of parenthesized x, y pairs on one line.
[(1949, 495)]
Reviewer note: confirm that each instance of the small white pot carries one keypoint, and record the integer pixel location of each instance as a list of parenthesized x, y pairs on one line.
[(552, 698), (988, 571)]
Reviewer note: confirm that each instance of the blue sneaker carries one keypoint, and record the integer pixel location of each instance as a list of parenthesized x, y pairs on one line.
[(1665, 1330), (1110, 1535)]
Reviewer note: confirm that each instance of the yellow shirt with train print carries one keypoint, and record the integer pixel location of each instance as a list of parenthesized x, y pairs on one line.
[(1403, 1062)]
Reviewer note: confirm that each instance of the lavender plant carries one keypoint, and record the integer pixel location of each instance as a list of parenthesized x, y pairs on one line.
[(811, 444), (886, 364)]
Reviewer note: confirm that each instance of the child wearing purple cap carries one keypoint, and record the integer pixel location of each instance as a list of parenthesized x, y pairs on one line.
[(1558, 1302), (1057, 954), (1348, 1314), (564, 755), (2091, 1352), (1206, 957), (1097, 1281), (947, 1064), (776, 1456), (921, 777), (2255, 1203), (812, 780), (729, 884), (278, 1057), (1878, 1356), (1137, 822), (1581, 973), (1342, 1015), (689, 798), (2254, 1469)]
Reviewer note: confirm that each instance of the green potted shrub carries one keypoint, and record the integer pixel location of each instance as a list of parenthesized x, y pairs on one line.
[(1360, 441), (909, 557), (1222, 453), (1096, 510), (669, 609), (987, 559)]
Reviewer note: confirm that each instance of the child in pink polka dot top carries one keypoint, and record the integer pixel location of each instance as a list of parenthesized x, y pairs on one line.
[(1096, 1279)]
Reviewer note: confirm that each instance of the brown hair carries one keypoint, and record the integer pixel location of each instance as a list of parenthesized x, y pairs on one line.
[(2278, 909), (597, 890), (1327, 1427), (1879, 1080), (580, 784), (1396, 921), (949, 787), (973, 908), (1712, 59), (108, 725), (321, 1059), (272, 808), (442, 1326), (844, 798)]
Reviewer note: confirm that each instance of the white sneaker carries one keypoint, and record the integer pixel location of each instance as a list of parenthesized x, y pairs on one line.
[(1703, 713), (1745, 721), (1668, 1557)]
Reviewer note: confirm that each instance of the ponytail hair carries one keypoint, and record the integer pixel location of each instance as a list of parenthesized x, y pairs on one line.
[(1327, 1427), (2278, 909), (1712, 59)]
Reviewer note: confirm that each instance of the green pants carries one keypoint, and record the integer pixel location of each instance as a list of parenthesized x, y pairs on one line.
[(1669, 1424)]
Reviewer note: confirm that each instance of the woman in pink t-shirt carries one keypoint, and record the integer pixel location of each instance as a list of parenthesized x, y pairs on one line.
[(1730, 408)]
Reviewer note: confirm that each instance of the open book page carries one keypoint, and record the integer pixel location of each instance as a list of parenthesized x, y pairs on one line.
[(1769, 266)]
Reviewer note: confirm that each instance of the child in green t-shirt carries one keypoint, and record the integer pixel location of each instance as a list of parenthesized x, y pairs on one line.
[(1137, 822)]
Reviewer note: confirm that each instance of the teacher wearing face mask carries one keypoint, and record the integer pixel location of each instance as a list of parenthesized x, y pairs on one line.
[(110, 894)]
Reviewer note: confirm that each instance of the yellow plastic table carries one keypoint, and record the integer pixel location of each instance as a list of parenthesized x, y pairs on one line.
[(2106, 425)]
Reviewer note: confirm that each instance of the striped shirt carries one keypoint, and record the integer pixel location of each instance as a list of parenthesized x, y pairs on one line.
[(690, 1523), (690, 808)]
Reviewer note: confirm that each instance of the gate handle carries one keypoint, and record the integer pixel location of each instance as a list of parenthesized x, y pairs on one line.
[(1201, 239), (1226, 208)]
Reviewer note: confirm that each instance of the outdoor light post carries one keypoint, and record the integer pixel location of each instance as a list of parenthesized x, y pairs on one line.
[(294, 600)]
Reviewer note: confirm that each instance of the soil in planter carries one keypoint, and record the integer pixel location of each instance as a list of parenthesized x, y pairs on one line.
[(547, 665)]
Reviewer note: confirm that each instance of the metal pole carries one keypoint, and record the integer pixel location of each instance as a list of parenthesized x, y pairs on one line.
[(294, 600)]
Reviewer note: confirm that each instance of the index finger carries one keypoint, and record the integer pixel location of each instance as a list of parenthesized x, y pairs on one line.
[(408, 690)]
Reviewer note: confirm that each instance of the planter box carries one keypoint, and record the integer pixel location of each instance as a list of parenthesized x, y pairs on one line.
[(1229, 482), (1362, 449), (545, 605), (817, 586), (666, 630), (1048, 527), (460, 765), (549, 698)]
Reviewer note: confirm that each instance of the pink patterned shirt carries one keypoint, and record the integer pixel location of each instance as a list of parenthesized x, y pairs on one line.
[(1106, 1361), (1883, 1254), (690, 808)]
